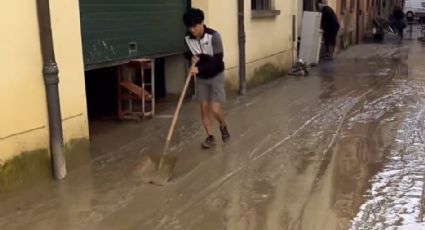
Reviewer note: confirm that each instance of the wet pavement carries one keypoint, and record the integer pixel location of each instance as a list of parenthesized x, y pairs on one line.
[(340, 149)]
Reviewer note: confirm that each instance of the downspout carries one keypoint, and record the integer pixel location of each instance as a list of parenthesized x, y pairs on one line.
[(241, 42), (51, 81)]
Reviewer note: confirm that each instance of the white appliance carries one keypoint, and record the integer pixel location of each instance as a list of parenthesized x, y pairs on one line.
[(311, 37)]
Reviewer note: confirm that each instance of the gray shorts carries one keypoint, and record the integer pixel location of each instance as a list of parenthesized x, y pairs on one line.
[(211, 90)]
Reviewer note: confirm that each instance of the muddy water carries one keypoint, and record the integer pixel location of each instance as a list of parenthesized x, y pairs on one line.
[(395, 199)]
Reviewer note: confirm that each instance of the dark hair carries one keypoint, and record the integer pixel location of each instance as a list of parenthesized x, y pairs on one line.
[(193, 17)]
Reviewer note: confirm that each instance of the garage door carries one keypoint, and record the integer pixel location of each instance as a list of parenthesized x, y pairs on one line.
[(114, 31)]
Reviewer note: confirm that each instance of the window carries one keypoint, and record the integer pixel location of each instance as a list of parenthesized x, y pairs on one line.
[(261, 4), (423, 4), (263, 8)]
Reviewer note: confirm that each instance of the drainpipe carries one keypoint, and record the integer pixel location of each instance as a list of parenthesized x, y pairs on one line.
[(241, 42), (51, 81)]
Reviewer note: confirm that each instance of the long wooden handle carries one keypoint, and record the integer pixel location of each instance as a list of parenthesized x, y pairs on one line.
[(176, 113)]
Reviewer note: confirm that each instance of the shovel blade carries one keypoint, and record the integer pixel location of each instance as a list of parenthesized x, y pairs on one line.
[(149, 170)]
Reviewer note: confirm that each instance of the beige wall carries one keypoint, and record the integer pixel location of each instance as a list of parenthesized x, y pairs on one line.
[(268, 40), (266, 37), (332, 3), (22, 95)]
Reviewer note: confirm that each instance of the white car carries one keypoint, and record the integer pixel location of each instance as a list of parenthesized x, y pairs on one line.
[(414, 8)]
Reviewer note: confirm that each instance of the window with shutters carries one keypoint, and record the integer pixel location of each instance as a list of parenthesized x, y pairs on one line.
[(261, 5), (263, 8)]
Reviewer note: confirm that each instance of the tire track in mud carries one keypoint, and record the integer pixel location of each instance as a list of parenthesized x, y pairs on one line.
[(330, 150)]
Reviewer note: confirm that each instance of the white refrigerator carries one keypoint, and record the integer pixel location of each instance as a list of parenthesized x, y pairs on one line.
[(311, 37)]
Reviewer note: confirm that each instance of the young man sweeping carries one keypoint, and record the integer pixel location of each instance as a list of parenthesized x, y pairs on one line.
[(205, 51)]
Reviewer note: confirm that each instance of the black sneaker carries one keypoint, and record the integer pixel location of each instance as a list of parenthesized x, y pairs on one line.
[(209, 142), (225, 135)]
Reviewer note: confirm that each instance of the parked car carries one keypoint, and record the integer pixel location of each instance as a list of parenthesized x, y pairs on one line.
[(414, 8)]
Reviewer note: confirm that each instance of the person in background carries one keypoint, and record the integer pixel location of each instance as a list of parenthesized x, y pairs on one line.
[(330, 27), (397, 21)]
